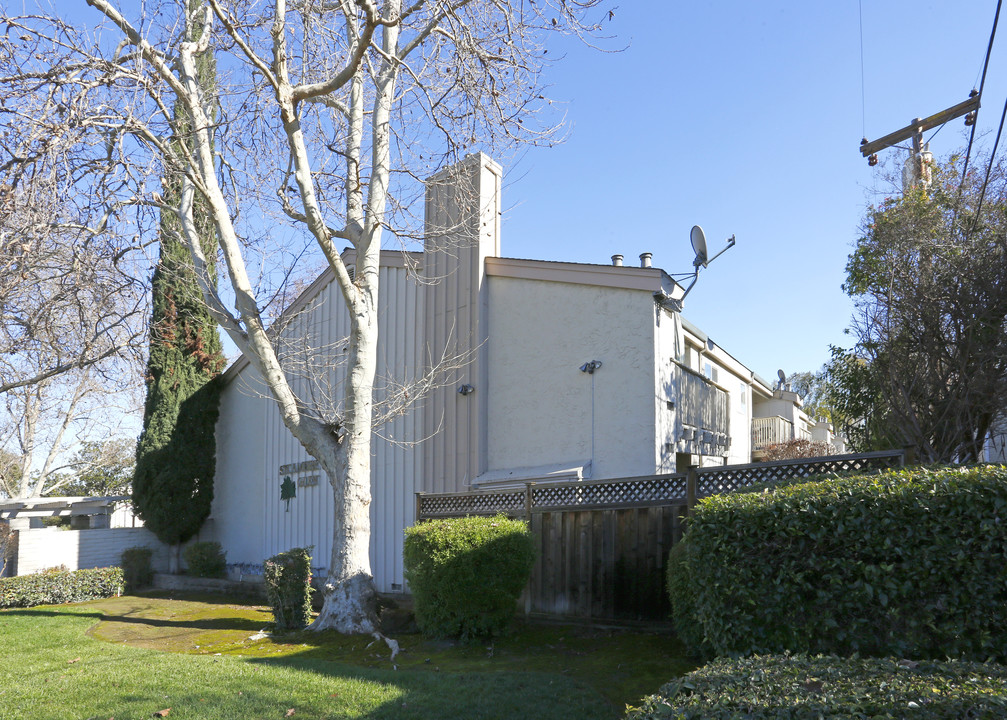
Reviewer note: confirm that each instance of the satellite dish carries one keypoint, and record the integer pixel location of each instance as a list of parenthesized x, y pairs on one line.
[(782, 375), (698, 238)]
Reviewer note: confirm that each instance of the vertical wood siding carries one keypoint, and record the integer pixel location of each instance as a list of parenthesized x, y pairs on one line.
[(395, 456), (603, 563)]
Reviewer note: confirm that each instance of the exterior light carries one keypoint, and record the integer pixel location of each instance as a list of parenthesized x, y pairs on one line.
[(590, 367), (466, 389)]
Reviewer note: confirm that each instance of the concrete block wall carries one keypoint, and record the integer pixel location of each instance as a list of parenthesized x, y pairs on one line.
[(79, 549)]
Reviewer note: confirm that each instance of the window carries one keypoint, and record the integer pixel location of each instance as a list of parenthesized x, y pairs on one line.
[(710, 371)]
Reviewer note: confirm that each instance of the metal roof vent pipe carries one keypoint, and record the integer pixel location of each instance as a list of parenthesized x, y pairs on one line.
[(645, 259), (617, 260)]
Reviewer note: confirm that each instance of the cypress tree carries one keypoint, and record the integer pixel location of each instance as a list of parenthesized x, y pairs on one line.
[(175, 459)]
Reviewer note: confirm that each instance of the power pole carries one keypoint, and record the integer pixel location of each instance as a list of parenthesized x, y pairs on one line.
[(917, 169)]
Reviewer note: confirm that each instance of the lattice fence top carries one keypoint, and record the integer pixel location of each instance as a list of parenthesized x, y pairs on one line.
[(623, 492), (715, 481), (644, 491), (473, 503)]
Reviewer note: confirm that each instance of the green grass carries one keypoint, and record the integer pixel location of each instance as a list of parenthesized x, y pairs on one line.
[(132, 656)]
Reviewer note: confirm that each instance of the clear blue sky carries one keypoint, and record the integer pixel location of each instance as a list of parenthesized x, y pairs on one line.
[(745, 118)]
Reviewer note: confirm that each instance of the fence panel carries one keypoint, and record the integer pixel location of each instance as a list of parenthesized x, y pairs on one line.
[(603, 544), (603, 564)]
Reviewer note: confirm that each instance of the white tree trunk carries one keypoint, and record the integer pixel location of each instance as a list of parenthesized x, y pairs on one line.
[(349, 588)]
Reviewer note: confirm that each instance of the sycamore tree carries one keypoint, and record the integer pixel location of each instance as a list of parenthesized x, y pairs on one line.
[(927, 277), (326, 116)]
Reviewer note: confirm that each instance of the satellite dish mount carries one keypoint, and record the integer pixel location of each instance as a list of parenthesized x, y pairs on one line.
[(698, 238)]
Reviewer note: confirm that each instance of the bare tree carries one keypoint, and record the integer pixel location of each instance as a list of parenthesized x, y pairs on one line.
[(340, 107), (72, 284), (928, 279), (45, 423)]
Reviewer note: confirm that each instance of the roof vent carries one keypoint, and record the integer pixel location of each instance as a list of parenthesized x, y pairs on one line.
[(645, 259), (617, 260)]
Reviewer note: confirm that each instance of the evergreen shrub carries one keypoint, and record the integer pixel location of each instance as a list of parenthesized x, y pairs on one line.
[(907, 563), (831, 688), (59, 585), (288, 588), (205, 559), (136, 568), (466, 574), (682, 611)]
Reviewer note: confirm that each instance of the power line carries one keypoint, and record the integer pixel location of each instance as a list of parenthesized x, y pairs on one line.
[(863, 92), (989, 167), (972, 134)]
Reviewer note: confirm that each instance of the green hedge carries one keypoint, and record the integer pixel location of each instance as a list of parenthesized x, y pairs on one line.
[(827, 687), (205, 559), (907, 563), (136, 568), (466, 574), (52, 587), (288, 588)]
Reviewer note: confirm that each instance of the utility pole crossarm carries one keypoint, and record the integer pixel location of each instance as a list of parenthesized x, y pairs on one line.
[(920, 126)]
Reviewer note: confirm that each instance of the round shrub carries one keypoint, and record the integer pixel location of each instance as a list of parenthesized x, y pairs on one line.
[(205, 559), (830, 688), (466, 574), (136, 568), (908, 564)]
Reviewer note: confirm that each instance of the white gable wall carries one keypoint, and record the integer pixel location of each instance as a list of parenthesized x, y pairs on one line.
[(253, 445)]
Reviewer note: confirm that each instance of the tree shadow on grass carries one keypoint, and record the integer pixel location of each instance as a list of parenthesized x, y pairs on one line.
[(425, 695), (46, 611)]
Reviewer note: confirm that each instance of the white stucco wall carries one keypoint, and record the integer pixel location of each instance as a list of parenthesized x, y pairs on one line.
[(540, 403)]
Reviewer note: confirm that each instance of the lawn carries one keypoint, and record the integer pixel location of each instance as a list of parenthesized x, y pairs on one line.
[(132, 656)]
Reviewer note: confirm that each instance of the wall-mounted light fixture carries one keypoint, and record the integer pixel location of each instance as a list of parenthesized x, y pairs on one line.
[(466, 389), (590, 367)]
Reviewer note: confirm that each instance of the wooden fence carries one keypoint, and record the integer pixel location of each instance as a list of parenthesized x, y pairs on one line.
[(603, 545)]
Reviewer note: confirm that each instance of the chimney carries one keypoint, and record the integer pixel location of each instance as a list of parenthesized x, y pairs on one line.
[(617, 260), (645, 259)]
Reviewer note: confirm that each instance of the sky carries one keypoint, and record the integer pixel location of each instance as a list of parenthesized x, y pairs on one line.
[(746, 119)]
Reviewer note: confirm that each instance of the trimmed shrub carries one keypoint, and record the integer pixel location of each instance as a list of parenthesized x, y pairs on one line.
[(59, 585), (136, 569), (682, 611), (907, 563), (8, 546), (288, 588), (205, 559), (830, 688), (466, 574)]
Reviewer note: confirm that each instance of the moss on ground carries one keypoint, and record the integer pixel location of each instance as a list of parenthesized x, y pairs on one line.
[(621, 665)]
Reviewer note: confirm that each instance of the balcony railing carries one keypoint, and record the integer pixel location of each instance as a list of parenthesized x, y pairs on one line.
[(768, 431)]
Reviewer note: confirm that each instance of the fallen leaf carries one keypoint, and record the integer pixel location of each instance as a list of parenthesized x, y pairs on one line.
[(162, 713), (289, 712), (71, 662)]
